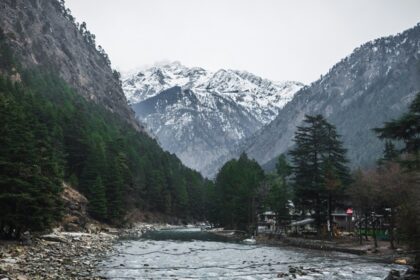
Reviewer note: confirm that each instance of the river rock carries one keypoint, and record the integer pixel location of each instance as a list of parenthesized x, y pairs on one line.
[(58, 256), (54, 238)]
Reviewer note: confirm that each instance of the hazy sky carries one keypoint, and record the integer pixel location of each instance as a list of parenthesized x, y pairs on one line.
[(276, 39)]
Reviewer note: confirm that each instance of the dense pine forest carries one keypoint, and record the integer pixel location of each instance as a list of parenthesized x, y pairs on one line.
[(50, 134)]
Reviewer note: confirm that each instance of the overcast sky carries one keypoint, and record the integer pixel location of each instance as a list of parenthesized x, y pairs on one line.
[(276, 39)]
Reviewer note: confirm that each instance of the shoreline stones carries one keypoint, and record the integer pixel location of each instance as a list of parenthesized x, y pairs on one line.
[(61, 256), (64, 255)]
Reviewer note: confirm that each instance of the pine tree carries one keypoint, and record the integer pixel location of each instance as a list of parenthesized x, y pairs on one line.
[(319, 168), (406, 129), (335, 171), (307, 166), (235, 191)]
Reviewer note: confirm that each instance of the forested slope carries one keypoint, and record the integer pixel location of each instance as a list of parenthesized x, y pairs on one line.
[(51, 132)]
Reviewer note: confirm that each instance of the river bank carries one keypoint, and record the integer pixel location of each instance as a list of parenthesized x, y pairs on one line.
[(63, 255), (75, 247), (76, 255), (382, 254)]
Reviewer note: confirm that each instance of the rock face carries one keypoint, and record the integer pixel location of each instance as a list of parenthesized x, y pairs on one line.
[(201, 116), (41, 32), (376, 83), (75, 217)]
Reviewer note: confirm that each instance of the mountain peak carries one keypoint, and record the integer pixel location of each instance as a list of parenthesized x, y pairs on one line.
[(260, 97)]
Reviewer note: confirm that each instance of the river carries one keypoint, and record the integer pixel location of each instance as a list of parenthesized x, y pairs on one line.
[(192, 254)]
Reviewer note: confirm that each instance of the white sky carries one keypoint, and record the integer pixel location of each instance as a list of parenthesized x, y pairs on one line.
[(276, 39)]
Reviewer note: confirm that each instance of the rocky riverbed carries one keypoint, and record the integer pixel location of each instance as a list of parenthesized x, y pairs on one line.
[(65, 255)]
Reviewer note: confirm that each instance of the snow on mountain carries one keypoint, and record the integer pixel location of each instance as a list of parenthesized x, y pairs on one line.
[(201, 115), (260, 97), (198, 128)]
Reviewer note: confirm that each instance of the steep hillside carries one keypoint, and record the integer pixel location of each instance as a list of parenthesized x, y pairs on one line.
[(201, 116), (372, 85), (43, 32), (66, 119)]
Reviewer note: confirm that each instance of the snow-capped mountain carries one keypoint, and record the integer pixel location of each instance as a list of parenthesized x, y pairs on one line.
[(260, 97), (200, 115), (198, 128)]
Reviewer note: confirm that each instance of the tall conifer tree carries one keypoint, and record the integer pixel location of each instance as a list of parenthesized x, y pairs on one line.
[(319, 168)]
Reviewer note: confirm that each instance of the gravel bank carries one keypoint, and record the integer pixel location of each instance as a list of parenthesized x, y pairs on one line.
[(64, 255)]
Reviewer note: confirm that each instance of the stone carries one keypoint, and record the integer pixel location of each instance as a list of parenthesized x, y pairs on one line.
[(10, 260), (54, 238)]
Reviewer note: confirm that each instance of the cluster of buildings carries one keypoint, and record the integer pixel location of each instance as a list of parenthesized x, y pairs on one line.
[(343, 221)]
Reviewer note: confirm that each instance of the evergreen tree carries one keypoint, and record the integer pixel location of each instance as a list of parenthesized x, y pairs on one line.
[(406, 129), (319, 168), (236, 190), (307, 166)]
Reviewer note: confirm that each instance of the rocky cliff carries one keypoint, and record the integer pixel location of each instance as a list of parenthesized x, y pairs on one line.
[(43, 33)]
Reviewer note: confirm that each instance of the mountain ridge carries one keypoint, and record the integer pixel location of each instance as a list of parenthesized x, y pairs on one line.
[(251, 91), (201, 115), (374, 84)]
